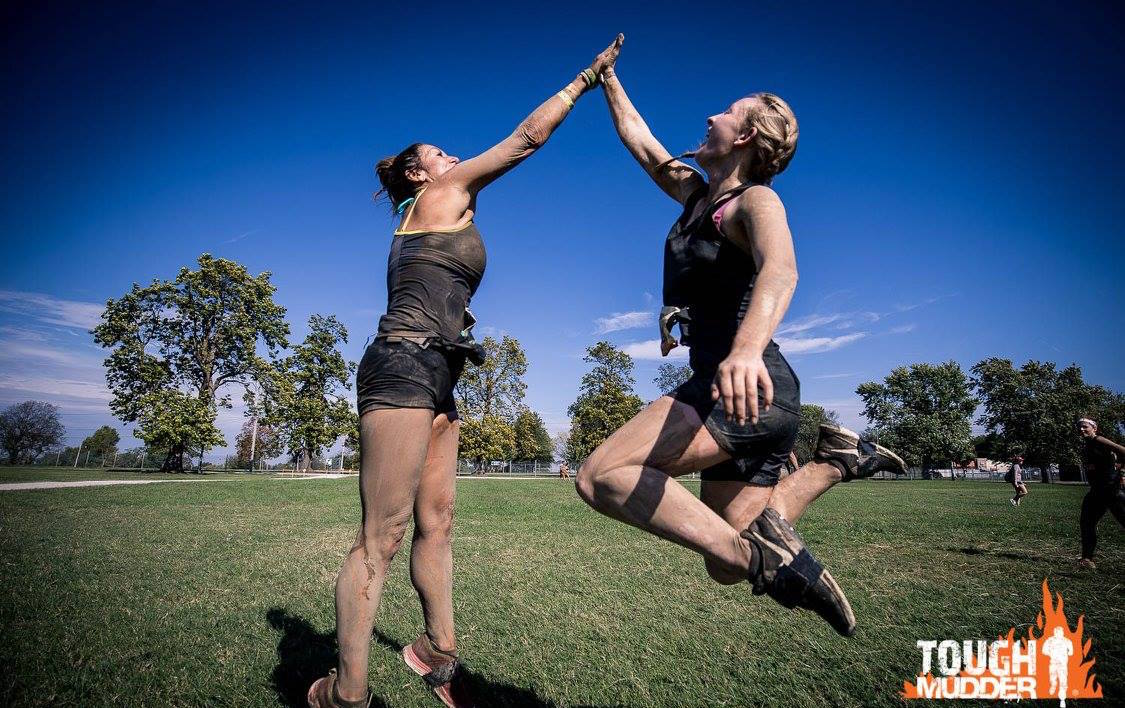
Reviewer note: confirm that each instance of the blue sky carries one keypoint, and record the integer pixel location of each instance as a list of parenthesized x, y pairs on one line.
[(955, 193)]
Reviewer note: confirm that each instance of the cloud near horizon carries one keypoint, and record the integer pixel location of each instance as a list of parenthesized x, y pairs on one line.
[(624, 320), (51, 310)]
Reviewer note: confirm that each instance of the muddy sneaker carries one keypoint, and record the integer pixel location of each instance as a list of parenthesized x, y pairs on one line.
[(854, 456), (1086, 564), (783, 568), (441, 670), (324, 694)]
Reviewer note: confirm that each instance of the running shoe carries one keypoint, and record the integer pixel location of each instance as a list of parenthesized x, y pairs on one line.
[(324, 694), (856, 457), (441, 670), (782, 567)]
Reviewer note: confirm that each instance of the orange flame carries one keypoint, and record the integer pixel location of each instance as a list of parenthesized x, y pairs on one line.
[(1081, 681)]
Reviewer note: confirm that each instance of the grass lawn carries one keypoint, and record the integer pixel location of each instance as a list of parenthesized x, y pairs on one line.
[(221, 594), (82, 474)]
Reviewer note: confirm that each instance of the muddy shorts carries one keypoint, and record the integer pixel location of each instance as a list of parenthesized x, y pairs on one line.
[(760, 450), (402, 374)]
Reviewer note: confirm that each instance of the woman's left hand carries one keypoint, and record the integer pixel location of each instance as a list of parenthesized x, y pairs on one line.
[(737, 382)]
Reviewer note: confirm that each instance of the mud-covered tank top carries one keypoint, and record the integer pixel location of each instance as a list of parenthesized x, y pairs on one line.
[(709, 274), (431, 276)]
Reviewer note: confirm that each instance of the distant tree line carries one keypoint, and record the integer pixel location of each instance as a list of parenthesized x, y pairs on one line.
[(179, 350)]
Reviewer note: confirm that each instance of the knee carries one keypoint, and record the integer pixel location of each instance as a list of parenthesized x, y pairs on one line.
[(435, 522), (721, 574), (380, 540), (589, 479)]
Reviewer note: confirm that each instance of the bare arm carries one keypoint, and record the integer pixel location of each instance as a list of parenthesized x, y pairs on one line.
[(676, 178), (1112, 446), (759, 219), (532, 133)]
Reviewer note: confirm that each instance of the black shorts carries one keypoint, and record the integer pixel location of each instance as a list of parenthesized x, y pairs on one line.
[(759, 450), (402, 374)]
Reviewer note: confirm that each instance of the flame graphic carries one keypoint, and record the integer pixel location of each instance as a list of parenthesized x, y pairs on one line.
[(1081, 681)]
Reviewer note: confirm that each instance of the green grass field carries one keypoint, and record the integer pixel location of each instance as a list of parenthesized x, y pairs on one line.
[(221, 594), (82, 474)]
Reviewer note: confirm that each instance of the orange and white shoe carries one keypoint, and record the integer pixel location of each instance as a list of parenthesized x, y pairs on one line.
[(441, 670)]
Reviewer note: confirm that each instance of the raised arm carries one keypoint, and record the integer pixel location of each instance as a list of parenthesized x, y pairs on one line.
[(532, 133), (758, 221), (676, 178)]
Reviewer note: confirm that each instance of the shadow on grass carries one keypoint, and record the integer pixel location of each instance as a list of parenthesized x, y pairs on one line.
[(975, 551), (304, 655), (487, 693)]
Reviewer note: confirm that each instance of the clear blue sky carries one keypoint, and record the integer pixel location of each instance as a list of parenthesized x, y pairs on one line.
[(956, 192)]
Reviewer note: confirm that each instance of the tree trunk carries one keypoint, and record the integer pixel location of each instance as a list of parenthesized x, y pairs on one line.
[(174, 460), (1045, 473)]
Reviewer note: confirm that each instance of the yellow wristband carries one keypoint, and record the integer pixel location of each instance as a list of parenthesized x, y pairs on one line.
[(566, 99)]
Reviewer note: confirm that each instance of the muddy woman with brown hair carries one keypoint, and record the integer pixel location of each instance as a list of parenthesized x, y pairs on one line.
[(408, 420), (729, 273)]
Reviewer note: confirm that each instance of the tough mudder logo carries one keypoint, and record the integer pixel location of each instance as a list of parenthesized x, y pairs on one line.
[(1052, 662)]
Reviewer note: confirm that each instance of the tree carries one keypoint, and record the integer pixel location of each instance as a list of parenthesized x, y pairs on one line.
[(532, 441), (487, 438), (263, 439), (808, 431), (103, 442), (177, 346), (303, 400), (1032, 410), (605, 401), (669, 376), (559, 443), (922, 412), (495, 387), (29, 428)]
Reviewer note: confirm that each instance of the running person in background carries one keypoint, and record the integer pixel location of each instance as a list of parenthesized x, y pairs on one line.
[(729, 272), (1107, 486), (408, 420), (1017, 480)]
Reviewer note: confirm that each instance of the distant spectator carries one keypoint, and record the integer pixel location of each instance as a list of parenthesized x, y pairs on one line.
[(564, 471), (1015, 478)]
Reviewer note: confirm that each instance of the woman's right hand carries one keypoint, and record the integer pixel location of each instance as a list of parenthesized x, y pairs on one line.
[(608, 57)]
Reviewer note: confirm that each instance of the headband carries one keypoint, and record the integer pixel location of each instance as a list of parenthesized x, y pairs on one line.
[(1087, 420)]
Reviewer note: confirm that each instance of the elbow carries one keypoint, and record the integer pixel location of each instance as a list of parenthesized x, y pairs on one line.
[(532, 135)]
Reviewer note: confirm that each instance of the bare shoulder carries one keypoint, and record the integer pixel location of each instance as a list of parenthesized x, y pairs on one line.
[(760, 201), (754, 213)]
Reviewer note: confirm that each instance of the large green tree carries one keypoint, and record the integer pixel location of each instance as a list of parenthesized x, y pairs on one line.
[(669, 376), (605, 400), (103, 442), (255, 442), (812, 416), (1033, 410), (533, 442), (180, 346), (305, 402), (487, 438), (496, 387), (29, 428), (922, 412)]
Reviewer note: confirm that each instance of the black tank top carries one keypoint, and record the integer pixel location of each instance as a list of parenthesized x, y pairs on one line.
[(1100, 461), (431, 276), (706, 272)]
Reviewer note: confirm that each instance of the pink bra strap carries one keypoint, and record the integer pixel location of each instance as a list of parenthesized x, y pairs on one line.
[(717, 217)]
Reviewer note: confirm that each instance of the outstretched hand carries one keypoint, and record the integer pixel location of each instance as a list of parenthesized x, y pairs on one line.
[(608, 57)]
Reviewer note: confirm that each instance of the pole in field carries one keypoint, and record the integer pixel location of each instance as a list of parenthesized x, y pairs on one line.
[(76, 456), (253, 441)]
